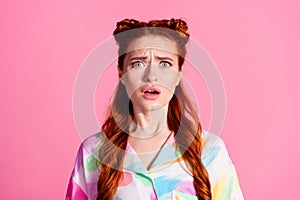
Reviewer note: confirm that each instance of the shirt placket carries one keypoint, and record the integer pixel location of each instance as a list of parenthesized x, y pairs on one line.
[(133, 163)]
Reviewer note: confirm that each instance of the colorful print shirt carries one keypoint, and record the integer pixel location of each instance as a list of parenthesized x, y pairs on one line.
[(167, 179)]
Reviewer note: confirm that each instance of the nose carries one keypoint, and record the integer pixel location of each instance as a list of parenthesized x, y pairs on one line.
[(151, 73)]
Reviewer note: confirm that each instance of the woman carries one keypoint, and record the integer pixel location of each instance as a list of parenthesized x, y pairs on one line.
[(152, 145)]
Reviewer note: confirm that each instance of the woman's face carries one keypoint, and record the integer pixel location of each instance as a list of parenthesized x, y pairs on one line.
[(151, 72)]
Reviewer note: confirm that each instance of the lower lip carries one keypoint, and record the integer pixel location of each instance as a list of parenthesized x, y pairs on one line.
[(150, 96)]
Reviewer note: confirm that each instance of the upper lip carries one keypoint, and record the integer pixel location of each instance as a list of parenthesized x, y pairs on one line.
[(149, 88)]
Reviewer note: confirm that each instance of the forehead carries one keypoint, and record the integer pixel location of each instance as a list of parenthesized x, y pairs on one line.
[(160, 44), (151, 51)]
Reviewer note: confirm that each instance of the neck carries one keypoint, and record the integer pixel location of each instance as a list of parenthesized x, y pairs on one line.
[(149, 123)]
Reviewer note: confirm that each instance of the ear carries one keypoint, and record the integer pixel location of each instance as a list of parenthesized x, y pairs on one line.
[(120, 75), (119, 72), (179, 76)]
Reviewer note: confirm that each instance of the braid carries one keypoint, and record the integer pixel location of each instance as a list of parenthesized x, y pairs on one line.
[(188, 139), (128, 24), (175, 24)]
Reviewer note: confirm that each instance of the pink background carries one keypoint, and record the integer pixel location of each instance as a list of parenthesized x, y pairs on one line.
[(255, 45)]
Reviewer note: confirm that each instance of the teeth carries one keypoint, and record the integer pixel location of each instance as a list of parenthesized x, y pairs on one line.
[(151, 91)]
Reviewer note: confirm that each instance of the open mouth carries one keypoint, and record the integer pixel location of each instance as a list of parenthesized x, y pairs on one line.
[(150, 93), (151, 90)]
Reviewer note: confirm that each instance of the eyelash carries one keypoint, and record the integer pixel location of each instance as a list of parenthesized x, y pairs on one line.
[(136, 62), (139, 62), (170, 64)]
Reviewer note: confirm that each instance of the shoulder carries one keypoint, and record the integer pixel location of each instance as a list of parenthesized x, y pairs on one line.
[(87, 158), (221, 170), (214, 150), (92, 142), (89, 147), (84, 177), (88, 161), (212, 141)]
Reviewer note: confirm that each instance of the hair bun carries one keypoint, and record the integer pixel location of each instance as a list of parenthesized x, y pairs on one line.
[(178, 25), (127, 24)]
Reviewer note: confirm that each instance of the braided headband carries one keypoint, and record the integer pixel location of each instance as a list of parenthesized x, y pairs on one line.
[(178, 25)]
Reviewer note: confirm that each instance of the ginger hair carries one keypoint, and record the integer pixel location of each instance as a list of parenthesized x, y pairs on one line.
[(182, 117)]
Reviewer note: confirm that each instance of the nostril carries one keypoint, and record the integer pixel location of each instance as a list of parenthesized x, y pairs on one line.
[(150, 79)]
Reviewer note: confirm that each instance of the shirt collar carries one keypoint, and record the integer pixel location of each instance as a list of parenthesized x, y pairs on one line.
[(167, 155)]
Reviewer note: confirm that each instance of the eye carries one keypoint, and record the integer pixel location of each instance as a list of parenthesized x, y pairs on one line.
[(137, 64), (165, 64)]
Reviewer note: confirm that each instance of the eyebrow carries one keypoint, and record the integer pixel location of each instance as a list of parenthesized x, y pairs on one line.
[(157, 57), (164, 58), (139, 58)]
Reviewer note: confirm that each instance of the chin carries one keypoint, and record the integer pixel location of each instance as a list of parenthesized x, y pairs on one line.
[(151, 106)]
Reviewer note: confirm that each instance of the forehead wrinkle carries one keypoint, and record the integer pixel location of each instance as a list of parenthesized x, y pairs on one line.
[(147, 42), (152, 51)]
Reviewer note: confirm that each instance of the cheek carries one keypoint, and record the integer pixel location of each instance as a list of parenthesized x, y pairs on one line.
[(170, 80), (169, 95), (135, 97), (132, 82)]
